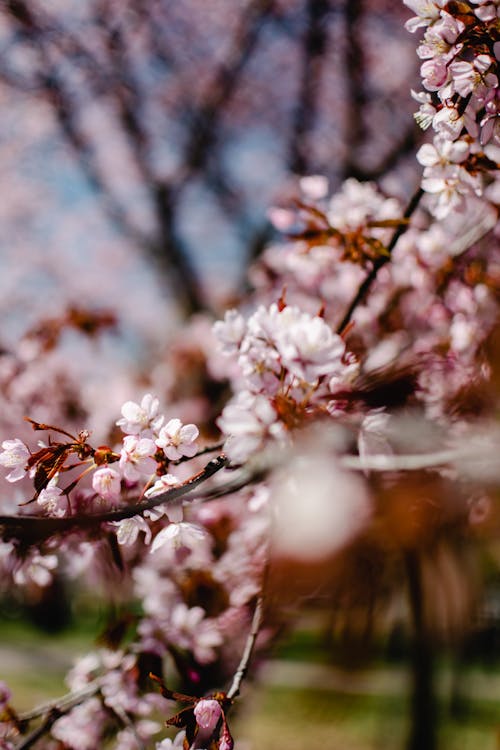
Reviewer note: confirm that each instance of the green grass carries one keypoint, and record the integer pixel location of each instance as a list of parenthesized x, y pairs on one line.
[(300, 719), (352, 710)]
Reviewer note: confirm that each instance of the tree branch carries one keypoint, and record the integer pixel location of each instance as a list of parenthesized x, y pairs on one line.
[(37, 528), (244, 664), (355, 76), (314, 43), (381, 261)]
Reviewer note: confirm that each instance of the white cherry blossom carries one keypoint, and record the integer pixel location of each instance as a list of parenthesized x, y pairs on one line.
[(136, 458), (107, 483), (14, 456), (178, 440), (140, 418)]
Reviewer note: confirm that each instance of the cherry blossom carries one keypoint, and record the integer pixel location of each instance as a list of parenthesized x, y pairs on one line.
[(427, 12), (52, 499), (14, 456), (180, 538), (81, 728), (248, 420), (168, 744), (207, 713), (129, 528), (136, 457), (141, 419), (36, 568), (178, 440), (107, 483)]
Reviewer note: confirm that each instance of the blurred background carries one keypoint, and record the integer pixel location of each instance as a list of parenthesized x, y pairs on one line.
[(142, 142)]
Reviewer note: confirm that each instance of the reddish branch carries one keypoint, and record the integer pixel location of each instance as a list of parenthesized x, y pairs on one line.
[(380, 261), (36, 528)]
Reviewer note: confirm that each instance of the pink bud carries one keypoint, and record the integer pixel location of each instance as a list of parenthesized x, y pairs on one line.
[(207, 713)]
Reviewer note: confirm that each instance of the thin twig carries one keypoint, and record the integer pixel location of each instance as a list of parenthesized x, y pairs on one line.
[(381, 260), (65, 702), (411, 462), (127, 722), (35, 735), (244, 664)]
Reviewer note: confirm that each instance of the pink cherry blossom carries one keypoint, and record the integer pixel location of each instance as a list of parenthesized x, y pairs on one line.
[(129, 528), (179, 536), (178, 440), (81, 728), (230, 331), (140, 418), (467, 76), (207, 713), (107, 483), (314, 187), (136, 457), (247, 420), (434, 74), (52, 499), (14, 456), (36, 568), (427, 11), (310, 349)]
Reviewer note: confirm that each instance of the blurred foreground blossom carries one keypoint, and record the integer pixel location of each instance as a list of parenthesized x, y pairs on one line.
[(319, 507)]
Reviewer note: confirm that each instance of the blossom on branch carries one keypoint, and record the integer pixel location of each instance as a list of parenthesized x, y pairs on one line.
[(107, 483), (140, 419), (136, 458), (14, 456), (178, 440)]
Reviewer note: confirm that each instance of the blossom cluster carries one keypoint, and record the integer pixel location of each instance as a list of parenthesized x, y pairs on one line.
[(460, 74), (429, 309), (289, 365), (150, 444)]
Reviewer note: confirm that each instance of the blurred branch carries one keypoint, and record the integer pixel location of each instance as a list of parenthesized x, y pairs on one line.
[(53, 710), (423, 699), (380, 261), (406, 145), (65, 703), (313, 50), (355, 76), (126, 91), (207, 119), (42, 730)]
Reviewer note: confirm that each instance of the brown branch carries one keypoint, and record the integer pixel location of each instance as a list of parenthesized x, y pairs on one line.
[(53, 711), (406, 145), (65, 703), (423, 698), (205, 123), (355, 76), (40, 731), (314, 44), (244, 664), (380, 261), (37, 528)]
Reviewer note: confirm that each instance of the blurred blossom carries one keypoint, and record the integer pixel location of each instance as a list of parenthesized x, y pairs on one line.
[(319, 508)]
